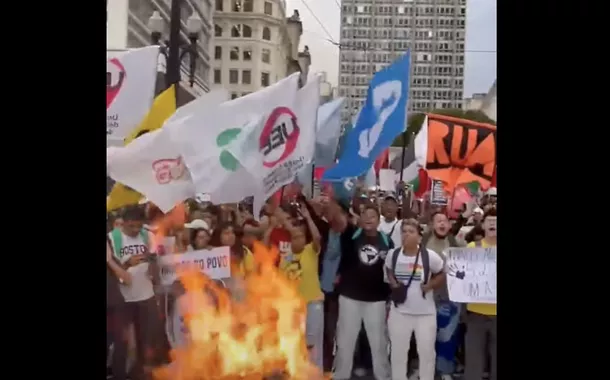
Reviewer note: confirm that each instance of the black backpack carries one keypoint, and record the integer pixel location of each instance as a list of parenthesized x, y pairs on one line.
[(425, 258)]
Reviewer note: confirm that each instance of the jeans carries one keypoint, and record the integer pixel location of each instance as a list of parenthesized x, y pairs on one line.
[(331, 313), (116, 335), (447, 337), (351, 315), (401, 327), (314, 331)]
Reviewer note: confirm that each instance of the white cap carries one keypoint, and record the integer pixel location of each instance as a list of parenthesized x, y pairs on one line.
[(492, 191), (478, 210), (197, 224)]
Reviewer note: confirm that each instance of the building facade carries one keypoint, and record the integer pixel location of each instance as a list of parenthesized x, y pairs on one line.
[(376, 32), (127, 22), (255, 45), (484, 102)]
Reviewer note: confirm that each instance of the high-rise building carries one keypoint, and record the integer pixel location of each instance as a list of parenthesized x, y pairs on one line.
[(376, 32), (127, 28), (255, 45)]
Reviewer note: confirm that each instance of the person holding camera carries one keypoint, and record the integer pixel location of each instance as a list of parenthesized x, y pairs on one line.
[(413, 272)]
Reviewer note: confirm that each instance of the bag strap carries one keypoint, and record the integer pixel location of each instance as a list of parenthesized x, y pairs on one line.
[(117, 240), (393, 227), (395, 259)]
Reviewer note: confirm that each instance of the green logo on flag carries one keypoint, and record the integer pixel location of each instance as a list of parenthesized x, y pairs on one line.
[(227, 160)]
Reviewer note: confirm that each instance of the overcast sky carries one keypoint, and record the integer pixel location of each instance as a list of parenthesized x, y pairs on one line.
[(480, 36)]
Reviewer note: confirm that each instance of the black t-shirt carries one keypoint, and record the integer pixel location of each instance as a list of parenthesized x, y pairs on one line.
[(114, 298), (361, 268)]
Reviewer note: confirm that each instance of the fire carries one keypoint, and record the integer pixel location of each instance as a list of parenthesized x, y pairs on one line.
[(257, 333)]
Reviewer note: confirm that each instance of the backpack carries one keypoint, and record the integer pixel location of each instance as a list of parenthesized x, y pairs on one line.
[(452, 241), (117, 239), (425, 258)]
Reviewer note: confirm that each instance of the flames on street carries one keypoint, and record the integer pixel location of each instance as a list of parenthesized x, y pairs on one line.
[(257, 336)]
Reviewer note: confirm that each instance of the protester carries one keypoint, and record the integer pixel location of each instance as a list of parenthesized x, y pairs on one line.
[(301, 265), (362, 297), (200, 234), (481, 331), (116, 318), (242, 258), (413, 272), (130, 245)]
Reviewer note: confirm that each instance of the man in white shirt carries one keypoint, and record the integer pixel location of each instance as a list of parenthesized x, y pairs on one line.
[(389, 223), (130, 244), (413, 272)]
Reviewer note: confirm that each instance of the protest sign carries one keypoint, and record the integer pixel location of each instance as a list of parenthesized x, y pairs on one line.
[(215, 263), (437, 193), (471, 275), (386, 180)]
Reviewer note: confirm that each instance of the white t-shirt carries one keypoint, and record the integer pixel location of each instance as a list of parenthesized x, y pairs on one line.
[(141, 287), (386, 228), (415, 304)]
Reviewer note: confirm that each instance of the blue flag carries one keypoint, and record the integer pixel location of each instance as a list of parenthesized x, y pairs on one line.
[(382, 118)]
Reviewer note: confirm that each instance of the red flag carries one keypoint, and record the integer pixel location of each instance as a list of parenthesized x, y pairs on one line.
[(382, 162)]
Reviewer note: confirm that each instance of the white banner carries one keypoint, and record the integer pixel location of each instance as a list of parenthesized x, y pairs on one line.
[(130, 88), (215, 263), (471, 275)]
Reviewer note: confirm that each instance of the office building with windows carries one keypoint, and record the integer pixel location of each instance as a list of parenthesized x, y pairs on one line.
[(376, 32), (127, 27), (255, 45)]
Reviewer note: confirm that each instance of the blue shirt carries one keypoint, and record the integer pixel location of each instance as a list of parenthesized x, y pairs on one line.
[(330, 265)]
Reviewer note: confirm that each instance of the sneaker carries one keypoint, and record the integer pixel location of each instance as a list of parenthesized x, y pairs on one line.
[(360, 372), (446, 377)]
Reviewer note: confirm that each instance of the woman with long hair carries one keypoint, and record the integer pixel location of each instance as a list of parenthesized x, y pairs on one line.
[(225, 235)]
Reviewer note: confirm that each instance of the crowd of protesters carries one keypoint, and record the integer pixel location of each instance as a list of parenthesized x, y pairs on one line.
[(371, 269)]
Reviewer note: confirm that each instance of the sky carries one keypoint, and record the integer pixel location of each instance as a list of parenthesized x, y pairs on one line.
[(480, 71)]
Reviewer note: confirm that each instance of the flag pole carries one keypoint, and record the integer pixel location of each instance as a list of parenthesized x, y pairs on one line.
[(402, 155)]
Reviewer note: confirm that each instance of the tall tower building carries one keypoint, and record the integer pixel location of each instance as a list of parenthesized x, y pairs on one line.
[(375, 32)]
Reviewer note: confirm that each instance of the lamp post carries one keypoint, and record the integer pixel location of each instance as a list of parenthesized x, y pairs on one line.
[(173, 49)]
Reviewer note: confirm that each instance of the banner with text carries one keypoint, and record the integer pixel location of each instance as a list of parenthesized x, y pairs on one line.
[(471, 275), (215, 263)]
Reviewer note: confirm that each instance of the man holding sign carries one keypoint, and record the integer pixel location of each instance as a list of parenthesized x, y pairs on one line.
[(481, 319)]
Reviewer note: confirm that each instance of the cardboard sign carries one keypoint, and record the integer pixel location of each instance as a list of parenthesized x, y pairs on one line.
[(215, 263), (471, 275), (437, 193)]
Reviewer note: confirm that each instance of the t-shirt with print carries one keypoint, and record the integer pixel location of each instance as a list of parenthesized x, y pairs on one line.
[(415, 304), (141, 287), (395, 227), (303, 268)]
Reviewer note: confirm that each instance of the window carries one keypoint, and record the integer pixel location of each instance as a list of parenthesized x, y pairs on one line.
[(219, 4), (266, 56), (248, 5), (268, 8), (217, 76), (264, 79), (266, 34), (241, 30), (218, 52), (234, 55), (247, 54), (246, 77), (234, 95), (243, 5), (217, 31), (233, 76)]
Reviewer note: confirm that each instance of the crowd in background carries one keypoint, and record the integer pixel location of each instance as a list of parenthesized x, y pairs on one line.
[(371, 270)]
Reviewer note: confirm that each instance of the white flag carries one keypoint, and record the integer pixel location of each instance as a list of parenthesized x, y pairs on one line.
[(130, 89), (274, 150), (205, 135)]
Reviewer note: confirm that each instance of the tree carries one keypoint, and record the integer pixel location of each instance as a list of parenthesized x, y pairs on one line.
[(415, 121)]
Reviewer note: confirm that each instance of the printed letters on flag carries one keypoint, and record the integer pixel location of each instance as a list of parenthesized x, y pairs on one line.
[(130, 88), (382, 118), (276, 149), (460, 151)]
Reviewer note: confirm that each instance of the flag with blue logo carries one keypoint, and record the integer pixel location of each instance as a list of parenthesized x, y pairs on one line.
[(382, 118)]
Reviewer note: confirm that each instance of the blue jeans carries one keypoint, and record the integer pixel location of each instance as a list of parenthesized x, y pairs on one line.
[(447, 337), (314, 330)]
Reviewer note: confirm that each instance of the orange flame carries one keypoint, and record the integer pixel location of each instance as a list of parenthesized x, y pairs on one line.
[(258, 331)]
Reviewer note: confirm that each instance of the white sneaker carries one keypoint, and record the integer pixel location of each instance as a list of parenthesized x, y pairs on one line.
[(360, 372)]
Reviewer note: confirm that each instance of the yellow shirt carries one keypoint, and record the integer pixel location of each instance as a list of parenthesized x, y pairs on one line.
[(481, 308), (303, 268), (247, 264)]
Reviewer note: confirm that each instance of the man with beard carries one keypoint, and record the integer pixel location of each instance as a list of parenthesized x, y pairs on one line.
[(440, 238)]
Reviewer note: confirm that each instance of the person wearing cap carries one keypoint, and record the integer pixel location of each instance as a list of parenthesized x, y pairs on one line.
[(390, 224), (199, 233)]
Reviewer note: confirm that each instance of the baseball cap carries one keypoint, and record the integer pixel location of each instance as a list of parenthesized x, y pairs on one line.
[(197, 224), (492, 191), (390, 196)]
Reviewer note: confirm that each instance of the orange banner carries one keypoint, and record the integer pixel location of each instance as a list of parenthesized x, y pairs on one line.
[(460, 151)]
